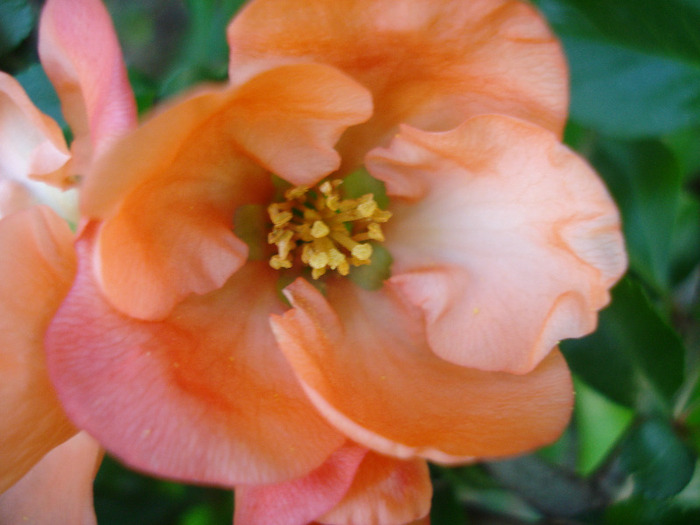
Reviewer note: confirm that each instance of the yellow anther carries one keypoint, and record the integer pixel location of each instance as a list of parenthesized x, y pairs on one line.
[(295, 192), (362, 252), (330, 231), (318, 260), (319, 229), (278, 262)]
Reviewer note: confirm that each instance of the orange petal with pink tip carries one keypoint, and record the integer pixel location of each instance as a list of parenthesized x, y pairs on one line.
[(82, 58), (300, 501), (429, 63), (202, 396), (385, 491), (506, 239), (169, 190), (363, 361), (37, 264), (58, 489), (31, 144)]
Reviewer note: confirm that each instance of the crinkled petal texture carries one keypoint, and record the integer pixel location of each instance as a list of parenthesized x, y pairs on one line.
[(32, 149), (385, 491), (37, 264), (362, 359), (506, 239), (169, 190), (58, 489), (203, 395), (353, 487), (428, 63), (300, 501), (82, 58)]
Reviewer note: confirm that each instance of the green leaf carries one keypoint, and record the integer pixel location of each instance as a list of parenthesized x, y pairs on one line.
[(645, 179), (635, 65), (16, 22), (668, 28), (600, 424), (551, 490), (635, 358), (659, 463), (41, 91), (627, 93), (640, 511)]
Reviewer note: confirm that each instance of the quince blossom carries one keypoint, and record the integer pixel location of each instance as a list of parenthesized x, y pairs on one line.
[(174, 348), (47, 467)]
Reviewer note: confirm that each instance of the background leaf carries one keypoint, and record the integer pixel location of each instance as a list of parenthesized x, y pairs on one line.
[(634, 357)]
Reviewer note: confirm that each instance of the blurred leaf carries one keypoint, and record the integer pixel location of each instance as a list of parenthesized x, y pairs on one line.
[(16, 22), (659, 463), (144, 90), (684, 145), (634, 357), (549, 489), (600, 424), (628, 94), (635, 65), (123, 496), (639, 511), (205, 49), (445, 508), (645, 180), (667, 28), (39, 88)]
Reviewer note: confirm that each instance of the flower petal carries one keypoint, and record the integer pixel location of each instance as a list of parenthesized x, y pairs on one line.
[(31, 143), (385, 491), (58, 490), (195, 163), (506, 239), (430, 63), (37, 264), (300, 501), (203, 395), (363, 361), (82, 58)]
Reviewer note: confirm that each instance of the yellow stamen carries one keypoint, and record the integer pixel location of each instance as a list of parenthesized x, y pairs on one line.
[(330, 230)]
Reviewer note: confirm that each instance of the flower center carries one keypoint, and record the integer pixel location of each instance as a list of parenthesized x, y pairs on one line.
[(327, 231)]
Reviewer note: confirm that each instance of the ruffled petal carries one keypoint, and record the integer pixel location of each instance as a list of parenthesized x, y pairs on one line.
[(37, 264), (170, 189), (300, 501), (385, 491), (506, 239), (363, 361), (58, 490), (203, 396), (429, 63), (31, 143), (82, 58)]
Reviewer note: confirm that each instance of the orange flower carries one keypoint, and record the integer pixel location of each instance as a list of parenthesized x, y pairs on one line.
[(174, 348), (37, 259)]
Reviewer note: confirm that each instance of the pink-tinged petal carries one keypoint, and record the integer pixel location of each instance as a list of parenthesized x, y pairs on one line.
[(363, 361), (505, 238), (37, 264), (31, 143), (58, 490), (204, 395), (300, 501), (386, 491), (169, 190), (429, 63), (82, 58)]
